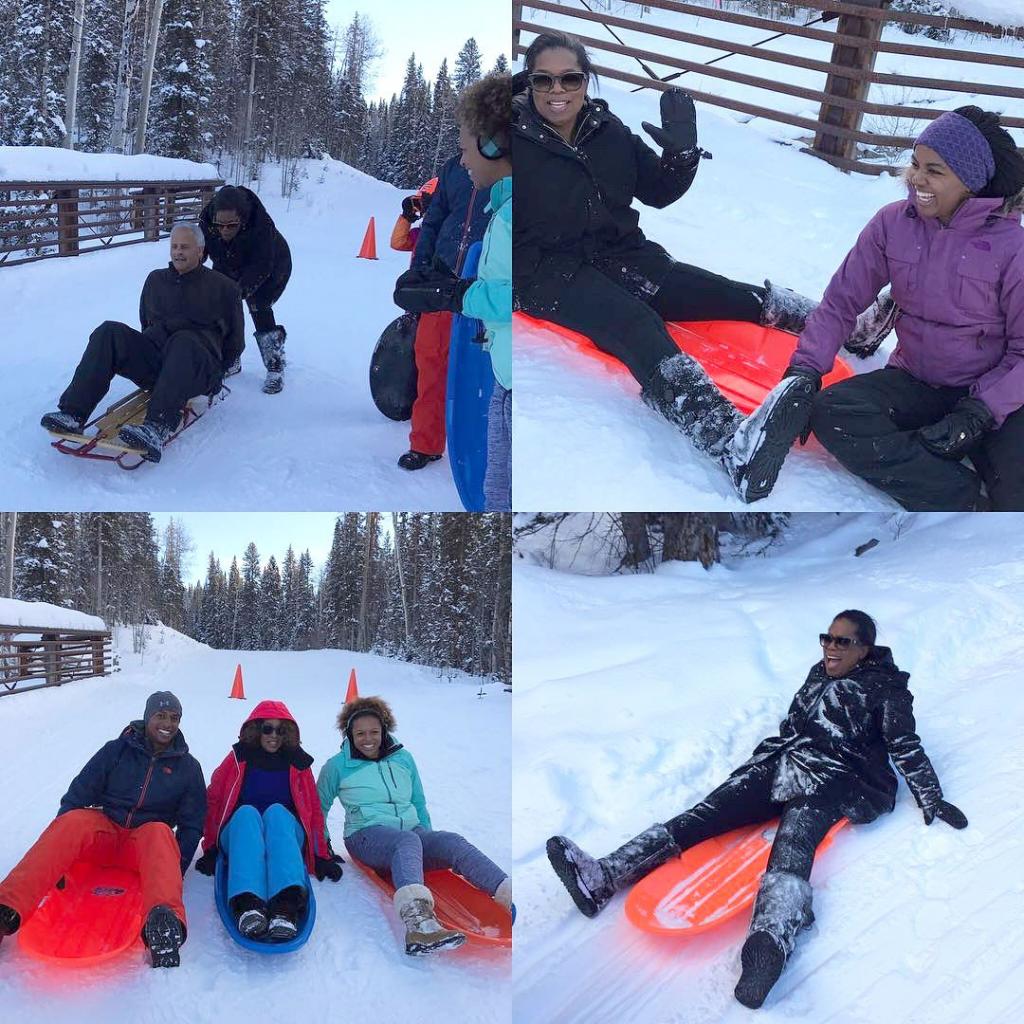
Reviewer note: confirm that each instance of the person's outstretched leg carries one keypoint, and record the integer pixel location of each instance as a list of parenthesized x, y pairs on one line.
[(287, 879), (1000, 464), (451, 850), (427, 433), (783, 904), (244, 844), (157, 858)]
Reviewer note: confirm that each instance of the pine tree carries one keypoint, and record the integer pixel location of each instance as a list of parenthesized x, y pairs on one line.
[(270, 619), (247, 629), (467, 65)]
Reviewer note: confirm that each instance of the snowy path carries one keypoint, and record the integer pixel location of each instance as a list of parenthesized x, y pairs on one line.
[(353, 960), (679, 675), (320, 444)]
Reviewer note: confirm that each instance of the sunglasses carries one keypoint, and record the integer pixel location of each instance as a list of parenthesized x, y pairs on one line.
[(571, 81), (220, 226), (839, 641), (272, 730)]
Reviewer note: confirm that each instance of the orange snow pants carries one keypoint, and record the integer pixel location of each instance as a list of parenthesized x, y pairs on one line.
[(431, 348)]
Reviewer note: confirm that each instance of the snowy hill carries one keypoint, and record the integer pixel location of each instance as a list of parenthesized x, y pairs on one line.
[(354, 958), (636, 695), (321, 438)]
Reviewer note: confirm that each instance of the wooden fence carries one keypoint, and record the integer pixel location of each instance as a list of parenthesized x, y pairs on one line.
[(837, 133), (67, 218), (45, 656)]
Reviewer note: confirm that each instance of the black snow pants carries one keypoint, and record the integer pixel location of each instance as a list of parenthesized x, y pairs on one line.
[(632, 329), (870, 423), (173, 371), (261, 301)]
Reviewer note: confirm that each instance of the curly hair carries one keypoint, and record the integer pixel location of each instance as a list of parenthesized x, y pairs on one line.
[(250, 733), (485, 108), (366, 705)]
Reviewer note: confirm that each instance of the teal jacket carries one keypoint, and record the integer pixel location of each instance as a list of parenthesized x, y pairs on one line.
[(383, 792), (490, 297)]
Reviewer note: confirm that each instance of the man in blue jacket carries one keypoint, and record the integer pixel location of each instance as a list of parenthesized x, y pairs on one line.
[(143, 789)]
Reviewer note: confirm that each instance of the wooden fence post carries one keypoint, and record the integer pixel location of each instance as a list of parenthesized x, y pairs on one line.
[(856, 58), (67, 221), (517, 15), (150, 214)]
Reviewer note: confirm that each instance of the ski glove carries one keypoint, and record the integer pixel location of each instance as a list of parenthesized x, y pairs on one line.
[(409, 211), (959, 430), (815, 378), (326, 867), (677, 135), (428, 291), (207, 864), (947, 812)]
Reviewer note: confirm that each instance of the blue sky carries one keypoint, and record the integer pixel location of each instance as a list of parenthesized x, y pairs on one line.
[(432, 29)]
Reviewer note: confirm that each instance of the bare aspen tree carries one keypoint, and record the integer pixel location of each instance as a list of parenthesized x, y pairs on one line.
[(71, 92), (155, 14), (119, 126)]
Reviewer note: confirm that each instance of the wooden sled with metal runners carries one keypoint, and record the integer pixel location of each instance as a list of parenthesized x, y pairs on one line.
[(103, 443)]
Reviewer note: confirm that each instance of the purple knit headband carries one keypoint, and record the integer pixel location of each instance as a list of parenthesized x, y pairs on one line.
[(959, 142)]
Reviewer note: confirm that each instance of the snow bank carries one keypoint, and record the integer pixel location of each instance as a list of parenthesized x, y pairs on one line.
[(49, 163), (1009, 13), (39, 613)]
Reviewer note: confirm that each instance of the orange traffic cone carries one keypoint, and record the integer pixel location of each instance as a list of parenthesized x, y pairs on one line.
[(368, 250), (236, 687), (352, 693)]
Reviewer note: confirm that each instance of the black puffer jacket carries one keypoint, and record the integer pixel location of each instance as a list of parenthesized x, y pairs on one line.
[(574, 202), (839, 736), (253, 255)]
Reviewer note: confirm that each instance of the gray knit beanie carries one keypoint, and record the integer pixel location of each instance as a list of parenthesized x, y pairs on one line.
[(162, 700)]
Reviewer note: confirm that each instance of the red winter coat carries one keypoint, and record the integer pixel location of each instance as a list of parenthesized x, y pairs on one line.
[(226, 786)]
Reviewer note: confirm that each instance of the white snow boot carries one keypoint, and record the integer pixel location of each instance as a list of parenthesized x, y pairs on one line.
[(591, 882), (423, 933), (271, 346)]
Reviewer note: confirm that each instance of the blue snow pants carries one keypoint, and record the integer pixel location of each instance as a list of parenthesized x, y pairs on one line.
[(264, 851)]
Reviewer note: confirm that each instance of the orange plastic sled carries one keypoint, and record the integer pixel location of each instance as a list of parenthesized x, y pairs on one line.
[(95, 917), (710, 883), (461, 906), (745, 360)]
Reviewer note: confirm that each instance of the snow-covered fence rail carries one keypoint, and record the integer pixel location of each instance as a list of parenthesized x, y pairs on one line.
[(836, 134), (68, 218), (50, 656)]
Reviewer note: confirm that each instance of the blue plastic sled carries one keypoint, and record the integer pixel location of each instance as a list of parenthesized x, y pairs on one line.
[(470, 383), (220, 888)]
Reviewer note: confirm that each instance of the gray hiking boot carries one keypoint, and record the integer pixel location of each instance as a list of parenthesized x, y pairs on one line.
[(148, 438), (423, 933), (271, 346)]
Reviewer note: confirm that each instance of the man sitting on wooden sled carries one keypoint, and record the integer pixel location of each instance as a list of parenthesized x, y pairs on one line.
[(192, 330)]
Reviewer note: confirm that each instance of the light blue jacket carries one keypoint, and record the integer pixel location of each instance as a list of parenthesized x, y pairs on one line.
[(490, 297), (383, 792)]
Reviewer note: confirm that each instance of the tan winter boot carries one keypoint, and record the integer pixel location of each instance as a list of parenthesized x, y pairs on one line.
[(423, 933), (503, 894)]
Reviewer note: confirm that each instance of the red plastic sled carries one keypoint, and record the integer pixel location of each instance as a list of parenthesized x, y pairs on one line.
[(710, 883), (745, 361), (95, 917), (461, 906)]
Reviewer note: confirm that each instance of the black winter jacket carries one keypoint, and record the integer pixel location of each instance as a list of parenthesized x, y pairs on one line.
[(456, 218), (253, 255), (574, 202), (132, 786), (839, 736), (201, 302)]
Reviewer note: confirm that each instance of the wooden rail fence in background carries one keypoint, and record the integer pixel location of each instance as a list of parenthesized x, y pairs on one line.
[(836, 134), (46, 656)]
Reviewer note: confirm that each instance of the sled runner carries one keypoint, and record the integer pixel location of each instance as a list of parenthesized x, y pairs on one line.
[(745, 360), (220, 890), (459, 905), (393, 368), (709, 883), (470, 383), (103, 443), (95, 917)]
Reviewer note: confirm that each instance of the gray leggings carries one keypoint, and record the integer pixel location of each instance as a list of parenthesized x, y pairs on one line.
[(406, 855)]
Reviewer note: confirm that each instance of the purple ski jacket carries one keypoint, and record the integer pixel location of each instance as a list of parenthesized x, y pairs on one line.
[(960, 291)]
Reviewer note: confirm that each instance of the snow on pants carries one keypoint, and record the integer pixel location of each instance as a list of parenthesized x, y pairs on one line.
[(870, 423), (407, 854), (264, 297), (87, 833), (498, 476), (633, 329), (173, 371), (431, 347), (264, 851)]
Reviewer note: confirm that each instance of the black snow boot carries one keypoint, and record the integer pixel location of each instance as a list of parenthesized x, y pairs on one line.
[(234, 368), (285, 909), (591, 882), (62, 423), (784, 309), (755, 453), (10, 921), (148, 438), (416, 460), (163, 933), (686, 396), (271, 346), (873, 326), (763, 960), (250, 914)]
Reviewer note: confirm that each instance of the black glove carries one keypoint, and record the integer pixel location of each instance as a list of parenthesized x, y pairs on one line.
[(327, 867), (428, 291), (959, 430), (336, 857), (409, 211), (677, 135), (207, 864), (947, 812), (806, 373)]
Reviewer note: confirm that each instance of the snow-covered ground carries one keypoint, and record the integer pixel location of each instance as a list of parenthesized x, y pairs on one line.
[(353, 963), (637, 694), (39, 613), (320, 444), (51, 163)]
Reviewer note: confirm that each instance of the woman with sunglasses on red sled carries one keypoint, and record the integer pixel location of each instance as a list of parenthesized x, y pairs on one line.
[(581, 261), (263, 813), (830, 760)]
